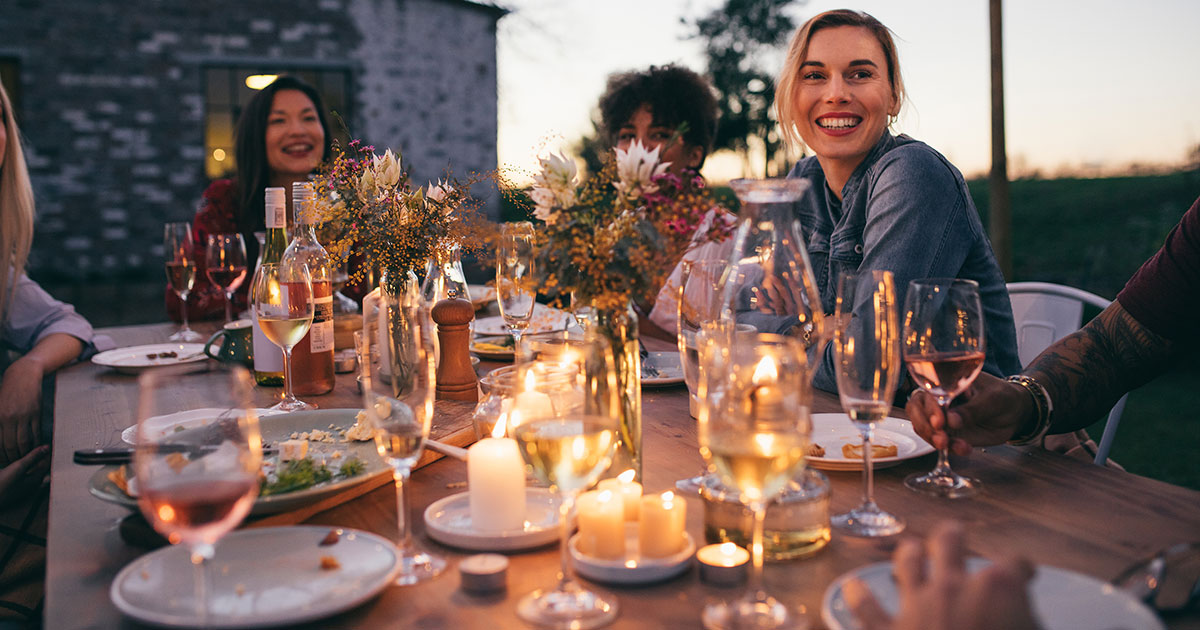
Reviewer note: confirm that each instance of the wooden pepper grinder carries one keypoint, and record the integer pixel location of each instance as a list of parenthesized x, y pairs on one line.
[(455, 375)]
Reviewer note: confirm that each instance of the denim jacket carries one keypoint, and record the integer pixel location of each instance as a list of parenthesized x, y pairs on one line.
[(905, 209)]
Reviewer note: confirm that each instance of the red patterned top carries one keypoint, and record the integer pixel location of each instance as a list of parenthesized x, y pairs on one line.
[(217, 215)]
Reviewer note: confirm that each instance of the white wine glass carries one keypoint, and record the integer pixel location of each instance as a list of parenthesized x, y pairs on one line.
[(698, 303), (196, 485), (944, 351), (568, 442), (514, 276), (282, 295), (179, 251), (866, 346), (754, 428), (225, 265), (398, 403)]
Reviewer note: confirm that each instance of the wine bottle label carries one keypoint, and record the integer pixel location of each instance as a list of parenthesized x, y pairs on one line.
[(321, 334), (276, 218), (268, 357)]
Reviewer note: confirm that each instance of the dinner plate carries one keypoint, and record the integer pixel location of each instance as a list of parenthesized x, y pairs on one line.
[(449, 521), (136, 359), (632, 569), (481, 295), (1061, 600), (276, 429), (670, 371), (259, 578), (544, 319), (832, 430), (493, 355), (162, 426)]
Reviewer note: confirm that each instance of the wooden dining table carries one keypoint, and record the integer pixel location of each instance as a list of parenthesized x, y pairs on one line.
[(1053, 509)]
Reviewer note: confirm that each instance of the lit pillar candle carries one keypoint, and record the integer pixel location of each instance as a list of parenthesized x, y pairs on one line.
[(532, 403), (660, 531), (629, 490), (496, 483), (601, 518)]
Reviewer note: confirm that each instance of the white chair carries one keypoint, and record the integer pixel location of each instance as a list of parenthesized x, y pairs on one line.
[(1044, 313)]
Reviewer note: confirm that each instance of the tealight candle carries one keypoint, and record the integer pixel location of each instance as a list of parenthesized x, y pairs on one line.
[(723, 564), (483, 573), (660, 531), (496, 484), (532, 403), (629, 490), (601, 517)]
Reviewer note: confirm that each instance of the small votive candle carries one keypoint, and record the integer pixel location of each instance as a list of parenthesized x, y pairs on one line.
[(660, 530), (723, 564), (601, 519), (629, 490), (483, 573)]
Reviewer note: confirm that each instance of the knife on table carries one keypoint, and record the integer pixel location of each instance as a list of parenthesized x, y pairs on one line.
[(124, 454)]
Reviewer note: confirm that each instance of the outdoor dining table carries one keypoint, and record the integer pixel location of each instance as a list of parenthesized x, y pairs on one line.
[(1053, 509)]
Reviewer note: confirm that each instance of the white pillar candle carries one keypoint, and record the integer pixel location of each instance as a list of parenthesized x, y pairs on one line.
[(601, 518), (629, 490), (660, 531), (496, 485), (534, 405)]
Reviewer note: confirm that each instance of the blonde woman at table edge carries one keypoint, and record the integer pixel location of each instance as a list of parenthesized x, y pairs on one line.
[(878, 200), (48, 334)]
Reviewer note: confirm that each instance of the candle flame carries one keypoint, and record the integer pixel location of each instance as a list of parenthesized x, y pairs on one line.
[(627, 476), (728, 549), (501, 426), (530, 381), (668, 498), (605, 496), (765, 371)]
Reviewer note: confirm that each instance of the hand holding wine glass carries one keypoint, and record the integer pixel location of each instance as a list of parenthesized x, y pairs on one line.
[(178, 249), (283, 303), (514, 272), (226, 265), (944, 351)]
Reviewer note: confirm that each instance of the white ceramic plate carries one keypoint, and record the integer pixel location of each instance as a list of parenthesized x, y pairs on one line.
[(449, 521), (544, 319), (832, 430), (670, 371), (162, 426), (632, 569), (493, 355), (259, 578), (135, 359), (275, 429), (1061, 600), (481, 295)]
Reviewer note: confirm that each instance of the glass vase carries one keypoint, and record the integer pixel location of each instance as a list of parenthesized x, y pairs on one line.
[(619, 327)]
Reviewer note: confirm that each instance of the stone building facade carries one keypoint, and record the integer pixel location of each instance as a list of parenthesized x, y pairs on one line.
[(115, 101)]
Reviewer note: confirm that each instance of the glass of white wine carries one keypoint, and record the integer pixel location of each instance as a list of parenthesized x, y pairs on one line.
[(398, 388), (179, 251), (567, 443), (196, 485), (866, 345), (514, 276), (754, 429), (283, 303)]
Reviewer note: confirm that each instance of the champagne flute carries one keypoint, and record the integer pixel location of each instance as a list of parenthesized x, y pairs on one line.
[(226, 265), (196, 485), (866, 346), (398, 402), (567, 446), (178, 247), (514, 273), (754, 429), (282, 294), (944, 351)]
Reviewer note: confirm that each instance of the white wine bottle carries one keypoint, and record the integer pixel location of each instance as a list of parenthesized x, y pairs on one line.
[(312, 358), (268, 358)]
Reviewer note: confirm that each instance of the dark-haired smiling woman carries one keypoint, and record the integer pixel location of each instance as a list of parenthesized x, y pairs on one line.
[(878, 200)]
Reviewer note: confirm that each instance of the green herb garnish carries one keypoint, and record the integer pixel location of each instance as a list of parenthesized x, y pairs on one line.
[(299, 474)]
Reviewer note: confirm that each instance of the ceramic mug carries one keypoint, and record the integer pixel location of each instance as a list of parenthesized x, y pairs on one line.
[(238, 345)]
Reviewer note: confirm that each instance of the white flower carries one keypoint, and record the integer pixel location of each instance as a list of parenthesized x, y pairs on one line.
[(439, 192), (558, 176), (366, 184), (636, 169), (387, 169)]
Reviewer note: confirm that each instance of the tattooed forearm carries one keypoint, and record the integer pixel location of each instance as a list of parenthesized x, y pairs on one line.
[(1086, 372)]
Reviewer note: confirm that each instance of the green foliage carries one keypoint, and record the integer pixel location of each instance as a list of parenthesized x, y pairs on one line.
[(299, 474)]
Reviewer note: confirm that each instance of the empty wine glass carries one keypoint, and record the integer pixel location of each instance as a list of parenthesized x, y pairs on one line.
[(944, 351), (225, 261), (398, 402), (698, 303), (282, 294), (196, 485), (514, 274), (866, 345), (178, 248)]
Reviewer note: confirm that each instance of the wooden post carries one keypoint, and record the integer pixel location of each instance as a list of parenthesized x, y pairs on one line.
[(999, 204), (456, 378)]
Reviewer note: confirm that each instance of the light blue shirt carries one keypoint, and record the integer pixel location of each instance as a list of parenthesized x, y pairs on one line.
[(34, 315)]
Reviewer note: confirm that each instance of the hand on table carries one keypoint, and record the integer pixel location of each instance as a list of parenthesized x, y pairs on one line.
[(23, 475), (989, 412), (20, 409), (937, 594)]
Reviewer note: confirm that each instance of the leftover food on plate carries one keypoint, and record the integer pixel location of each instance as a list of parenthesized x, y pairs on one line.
[(880, 449)]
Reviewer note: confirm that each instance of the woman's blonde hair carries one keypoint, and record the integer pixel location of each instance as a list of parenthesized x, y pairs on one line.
[(785, 90), (16, 208)]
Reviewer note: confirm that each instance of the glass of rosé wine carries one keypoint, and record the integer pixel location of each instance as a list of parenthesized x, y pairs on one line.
[(225, 256), (195, 484), (943, 346)]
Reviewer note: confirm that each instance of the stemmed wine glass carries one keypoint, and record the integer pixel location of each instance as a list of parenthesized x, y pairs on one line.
[(282, 295), (398, 402), (514, 273), (944, 351), (866, 346), (754, 429), (180, 257), (226, 265), (698, 304), (196, 485)]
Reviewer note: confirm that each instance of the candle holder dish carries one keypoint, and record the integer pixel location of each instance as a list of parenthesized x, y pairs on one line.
[(448, 521), (632, 569)]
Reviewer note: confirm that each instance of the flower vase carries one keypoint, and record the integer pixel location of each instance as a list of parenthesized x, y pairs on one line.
[(619, 327), (385, 321)]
